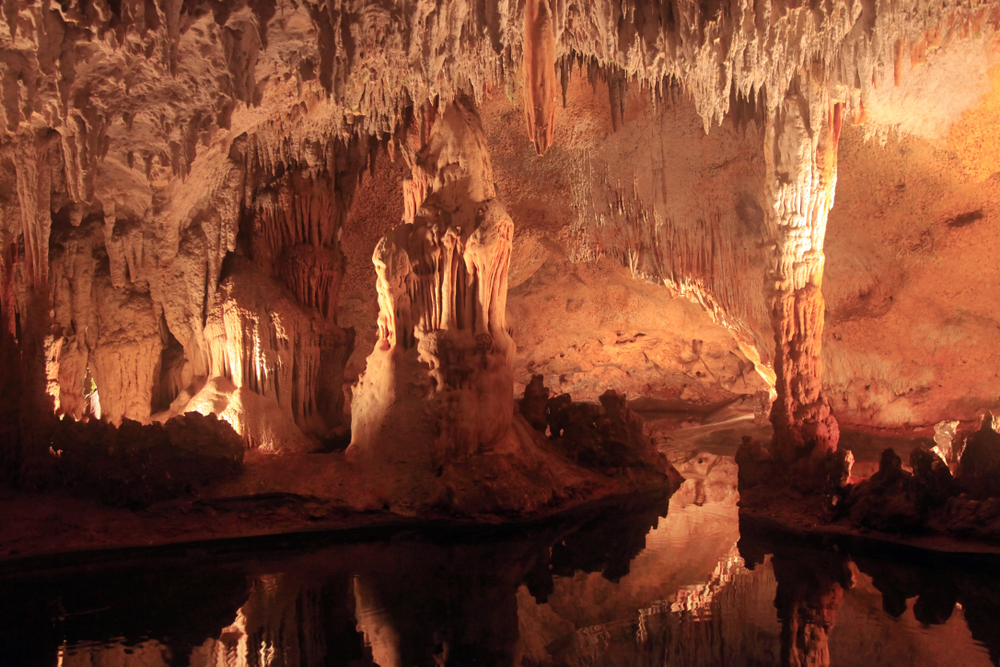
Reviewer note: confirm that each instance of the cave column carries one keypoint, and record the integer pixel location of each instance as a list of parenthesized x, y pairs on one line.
[(801, 159)]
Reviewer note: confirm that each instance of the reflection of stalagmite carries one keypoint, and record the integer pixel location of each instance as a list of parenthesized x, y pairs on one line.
[(441, 371), (287, 620), (810, 592), (801, 156), (376, 623)]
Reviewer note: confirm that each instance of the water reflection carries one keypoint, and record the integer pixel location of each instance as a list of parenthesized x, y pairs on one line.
[(628, 585)]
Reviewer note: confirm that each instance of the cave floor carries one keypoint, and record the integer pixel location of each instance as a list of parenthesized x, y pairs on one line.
[(323, 492), (294, 493)]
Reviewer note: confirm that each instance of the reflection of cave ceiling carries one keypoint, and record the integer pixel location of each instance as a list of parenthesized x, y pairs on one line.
[(143, 143)]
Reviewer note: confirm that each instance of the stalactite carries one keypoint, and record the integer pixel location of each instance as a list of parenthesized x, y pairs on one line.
[(294, 235), (617, 94), (34, 188), (539, 73)]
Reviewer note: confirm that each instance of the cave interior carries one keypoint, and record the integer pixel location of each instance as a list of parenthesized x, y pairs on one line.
[(269, 266)]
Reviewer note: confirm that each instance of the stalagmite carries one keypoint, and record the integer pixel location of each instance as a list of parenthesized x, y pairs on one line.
[(439, 385), (800, 150)]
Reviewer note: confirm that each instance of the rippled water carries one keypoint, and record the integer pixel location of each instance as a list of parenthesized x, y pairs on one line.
[(631, 585)]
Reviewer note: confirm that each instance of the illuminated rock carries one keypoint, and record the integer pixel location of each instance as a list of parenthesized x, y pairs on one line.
[(439, 384), (539, 73), (979, 471), (800, 149)]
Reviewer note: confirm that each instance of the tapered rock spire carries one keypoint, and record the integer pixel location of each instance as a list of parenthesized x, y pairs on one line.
[(540, 86)]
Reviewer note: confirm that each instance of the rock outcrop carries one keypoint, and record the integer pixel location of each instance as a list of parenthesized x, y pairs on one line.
[(135, 465)]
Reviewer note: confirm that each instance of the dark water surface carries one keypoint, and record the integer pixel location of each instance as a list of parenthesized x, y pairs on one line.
[(629, 585)]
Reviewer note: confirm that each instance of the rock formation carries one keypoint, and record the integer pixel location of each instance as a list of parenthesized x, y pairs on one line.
[(800, 150), (440, 379), (539, 73)]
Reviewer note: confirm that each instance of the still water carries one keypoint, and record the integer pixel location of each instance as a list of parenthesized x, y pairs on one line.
[(634, 585)]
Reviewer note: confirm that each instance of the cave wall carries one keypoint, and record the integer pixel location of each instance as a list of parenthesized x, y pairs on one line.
[(911, 273)]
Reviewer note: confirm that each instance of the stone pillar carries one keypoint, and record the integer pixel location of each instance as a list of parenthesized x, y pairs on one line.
[(801, 158), (439, 384)]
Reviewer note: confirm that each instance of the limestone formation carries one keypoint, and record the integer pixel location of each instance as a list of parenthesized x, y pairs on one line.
[(439, 384), (539, 73), (800, 150)]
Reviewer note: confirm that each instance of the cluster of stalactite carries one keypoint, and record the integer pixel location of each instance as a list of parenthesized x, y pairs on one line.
[(129, 313), (375, 61), (712, 260)]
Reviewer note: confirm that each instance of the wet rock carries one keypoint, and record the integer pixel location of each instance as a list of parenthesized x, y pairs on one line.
[(836, 470), (967, 517), (979, 471), (607, 437), (755, 462), (559, 414), (884, 502), (890, 473), (932, 482)]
